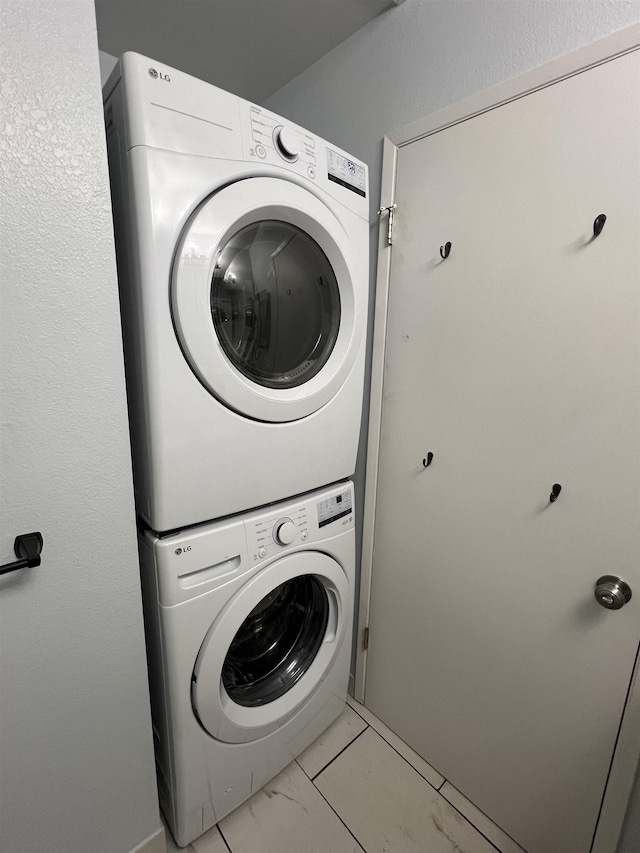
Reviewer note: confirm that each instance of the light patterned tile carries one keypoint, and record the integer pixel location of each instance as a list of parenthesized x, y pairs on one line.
[(388, 806), (488, 828), (423, 767), (331, 742), (287, 816), (210, 842)]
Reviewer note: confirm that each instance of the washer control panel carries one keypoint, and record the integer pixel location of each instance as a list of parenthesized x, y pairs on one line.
[(321, 515), (284, 532), (335, 507), (273, 532)]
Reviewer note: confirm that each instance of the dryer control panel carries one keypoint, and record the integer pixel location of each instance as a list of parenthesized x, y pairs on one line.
[(272, 140), (170, 110)]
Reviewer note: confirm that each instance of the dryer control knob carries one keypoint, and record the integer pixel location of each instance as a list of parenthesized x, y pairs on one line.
[(288, 143), (285, 532)]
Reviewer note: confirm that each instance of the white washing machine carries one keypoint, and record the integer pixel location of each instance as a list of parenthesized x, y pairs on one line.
[(242, 247), (249, 641)]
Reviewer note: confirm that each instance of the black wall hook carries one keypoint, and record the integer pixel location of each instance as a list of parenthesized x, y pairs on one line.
[(598, 224), (426, 462), (555, 491), (445, 251)]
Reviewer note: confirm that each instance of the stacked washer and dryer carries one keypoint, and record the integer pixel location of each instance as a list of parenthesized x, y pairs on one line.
[(242, 246)]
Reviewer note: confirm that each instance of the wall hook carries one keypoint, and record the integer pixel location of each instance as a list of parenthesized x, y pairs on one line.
[(445, 251), (598, 224), (426, 462), (555, 491)]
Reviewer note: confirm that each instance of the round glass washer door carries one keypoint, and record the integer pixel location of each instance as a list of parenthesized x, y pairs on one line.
[(263, 299), (271, 647)]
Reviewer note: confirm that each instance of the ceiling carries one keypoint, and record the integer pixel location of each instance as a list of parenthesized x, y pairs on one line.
[(248, 47)]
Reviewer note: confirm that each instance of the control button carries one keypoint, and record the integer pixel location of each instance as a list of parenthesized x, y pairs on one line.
[(287, 142), (311, 171), (260, 151), (304, 535), (285, 531), (262, 552)]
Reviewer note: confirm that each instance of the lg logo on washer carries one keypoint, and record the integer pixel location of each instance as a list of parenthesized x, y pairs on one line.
[(179, 551), (159, 75)]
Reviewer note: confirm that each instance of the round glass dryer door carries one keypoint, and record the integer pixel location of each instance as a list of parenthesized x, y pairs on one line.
[(275, 304), (263, 299), (271, 647)]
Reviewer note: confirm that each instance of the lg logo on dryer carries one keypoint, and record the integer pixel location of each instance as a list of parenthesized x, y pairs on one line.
[(179, 551), (159, 75)]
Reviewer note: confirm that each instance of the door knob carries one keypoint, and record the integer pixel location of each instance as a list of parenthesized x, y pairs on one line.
[(612, 592)]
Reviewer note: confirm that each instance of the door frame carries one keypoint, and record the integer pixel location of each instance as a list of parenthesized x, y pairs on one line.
[(626, 756)]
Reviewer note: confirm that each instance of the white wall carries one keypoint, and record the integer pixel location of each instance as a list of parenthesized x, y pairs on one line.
[(423, 56), (76, 764)]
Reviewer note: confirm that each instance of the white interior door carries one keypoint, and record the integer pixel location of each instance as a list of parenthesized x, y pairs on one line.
[(515, 361)]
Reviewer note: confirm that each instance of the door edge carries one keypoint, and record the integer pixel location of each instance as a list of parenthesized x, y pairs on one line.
[(624, 765), (383, 276)]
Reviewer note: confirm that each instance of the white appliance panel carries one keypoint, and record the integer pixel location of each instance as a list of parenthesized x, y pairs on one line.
[(202, 777), (207, 440)]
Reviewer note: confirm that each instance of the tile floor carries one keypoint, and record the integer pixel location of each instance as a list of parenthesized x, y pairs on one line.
[(357, 788)]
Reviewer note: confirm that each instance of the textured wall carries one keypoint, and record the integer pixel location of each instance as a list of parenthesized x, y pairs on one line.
[(77, 771), (423, 56)]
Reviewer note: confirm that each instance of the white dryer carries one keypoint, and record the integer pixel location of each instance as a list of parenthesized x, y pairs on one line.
[(249, 625), (242, 247)]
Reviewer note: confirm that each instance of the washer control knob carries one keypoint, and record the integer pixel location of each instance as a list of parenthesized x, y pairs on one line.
[(288, 143), (285, 531)]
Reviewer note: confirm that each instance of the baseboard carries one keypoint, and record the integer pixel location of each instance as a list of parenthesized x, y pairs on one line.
[(155, 843)]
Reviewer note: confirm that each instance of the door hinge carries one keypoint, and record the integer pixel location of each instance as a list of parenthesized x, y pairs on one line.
[(389, 210), (365, 639)]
